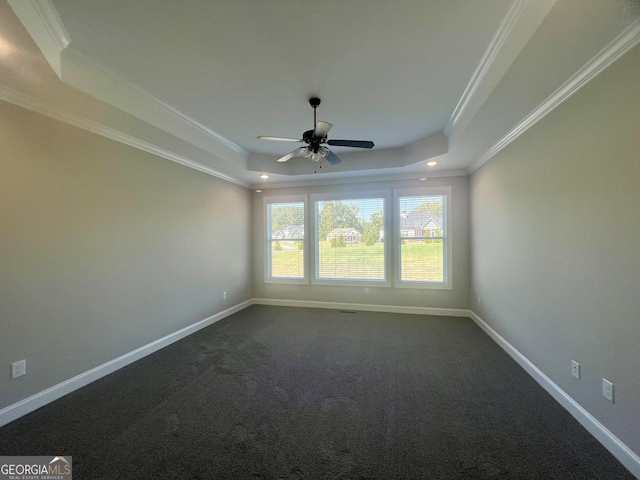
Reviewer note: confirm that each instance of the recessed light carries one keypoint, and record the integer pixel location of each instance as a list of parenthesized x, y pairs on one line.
[(264, 176), (258, 191), (432, 163), (423, 179), (5, 48)]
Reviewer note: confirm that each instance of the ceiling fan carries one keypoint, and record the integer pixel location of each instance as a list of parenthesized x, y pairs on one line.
[(315, 139)]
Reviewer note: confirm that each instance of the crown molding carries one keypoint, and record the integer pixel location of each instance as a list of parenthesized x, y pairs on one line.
[(485, 64), (517, 27), (625, 41), (87, 74), (45, 27), (57, 113), (359, 179), (95, 78)]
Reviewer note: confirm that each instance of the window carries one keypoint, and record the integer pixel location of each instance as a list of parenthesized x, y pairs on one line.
[(353, 238), (349, 239), (285, 256), (423, 244)]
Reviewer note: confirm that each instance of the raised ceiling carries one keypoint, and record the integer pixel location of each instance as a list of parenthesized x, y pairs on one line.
[(452, 80)]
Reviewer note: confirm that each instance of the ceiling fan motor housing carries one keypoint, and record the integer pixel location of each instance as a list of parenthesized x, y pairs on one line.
[(314, 143)]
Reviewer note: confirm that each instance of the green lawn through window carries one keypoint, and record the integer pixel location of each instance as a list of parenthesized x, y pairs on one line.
[(421, 261)]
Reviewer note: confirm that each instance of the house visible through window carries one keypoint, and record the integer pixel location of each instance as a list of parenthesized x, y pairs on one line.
[(421, 232), (358, 238), (350, 239), (285, 236)]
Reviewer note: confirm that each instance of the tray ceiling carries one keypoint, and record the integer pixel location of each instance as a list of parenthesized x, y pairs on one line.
[(446, 80)]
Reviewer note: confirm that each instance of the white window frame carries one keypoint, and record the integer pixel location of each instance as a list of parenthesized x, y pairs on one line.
[(266, 238), (448, 244), (312, 238)]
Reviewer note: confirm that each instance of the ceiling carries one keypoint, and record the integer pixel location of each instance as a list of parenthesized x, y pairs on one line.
[(453, 80)]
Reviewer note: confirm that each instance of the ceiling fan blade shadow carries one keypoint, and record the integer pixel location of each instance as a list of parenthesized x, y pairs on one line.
[(321, 130), (290, 155), (351, 143), (279, 139), (332, 158)]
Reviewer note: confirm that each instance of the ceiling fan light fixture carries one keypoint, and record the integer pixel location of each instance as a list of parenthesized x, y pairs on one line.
[(317, 156)]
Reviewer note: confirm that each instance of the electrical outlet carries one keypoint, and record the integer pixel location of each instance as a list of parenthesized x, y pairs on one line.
[(18, 369), (366, 290), (224, 295), (607, 389), (478, 301), (575, 369)]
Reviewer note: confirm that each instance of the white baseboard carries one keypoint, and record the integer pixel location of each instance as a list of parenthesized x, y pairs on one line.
[(612, 443), (28, 405), (448, 312), (623, 453)]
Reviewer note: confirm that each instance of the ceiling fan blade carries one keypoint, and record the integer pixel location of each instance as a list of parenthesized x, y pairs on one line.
[(279, 139), (351, 143), (290, 155), (332, 158), (321, 130)]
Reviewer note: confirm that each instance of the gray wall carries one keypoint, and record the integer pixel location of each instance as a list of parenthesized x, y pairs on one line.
[(555, 233), (105, 248), (455, 298)]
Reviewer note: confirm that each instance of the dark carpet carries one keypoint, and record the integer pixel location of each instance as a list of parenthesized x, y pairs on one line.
[(297, 393)]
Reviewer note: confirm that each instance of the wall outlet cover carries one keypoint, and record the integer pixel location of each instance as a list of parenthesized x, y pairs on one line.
[(607, 389), (575, 369), (18, 369)]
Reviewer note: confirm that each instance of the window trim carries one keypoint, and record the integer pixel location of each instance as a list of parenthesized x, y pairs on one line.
[(448, 257), (313, 249), (305, 242)]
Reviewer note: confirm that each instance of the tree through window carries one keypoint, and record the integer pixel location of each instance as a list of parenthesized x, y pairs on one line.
[(285, 236), (350, 239)]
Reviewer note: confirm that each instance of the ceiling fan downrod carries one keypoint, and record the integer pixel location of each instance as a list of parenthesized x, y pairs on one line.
[(314, 102)]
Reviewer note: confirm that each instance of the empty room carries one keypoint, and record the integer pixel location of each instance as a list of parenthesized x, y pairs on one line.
[(356, 239)]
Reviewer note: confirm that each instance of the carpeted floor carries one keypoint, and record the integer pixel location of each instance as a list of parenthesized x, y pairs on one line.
[(296, 393)]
